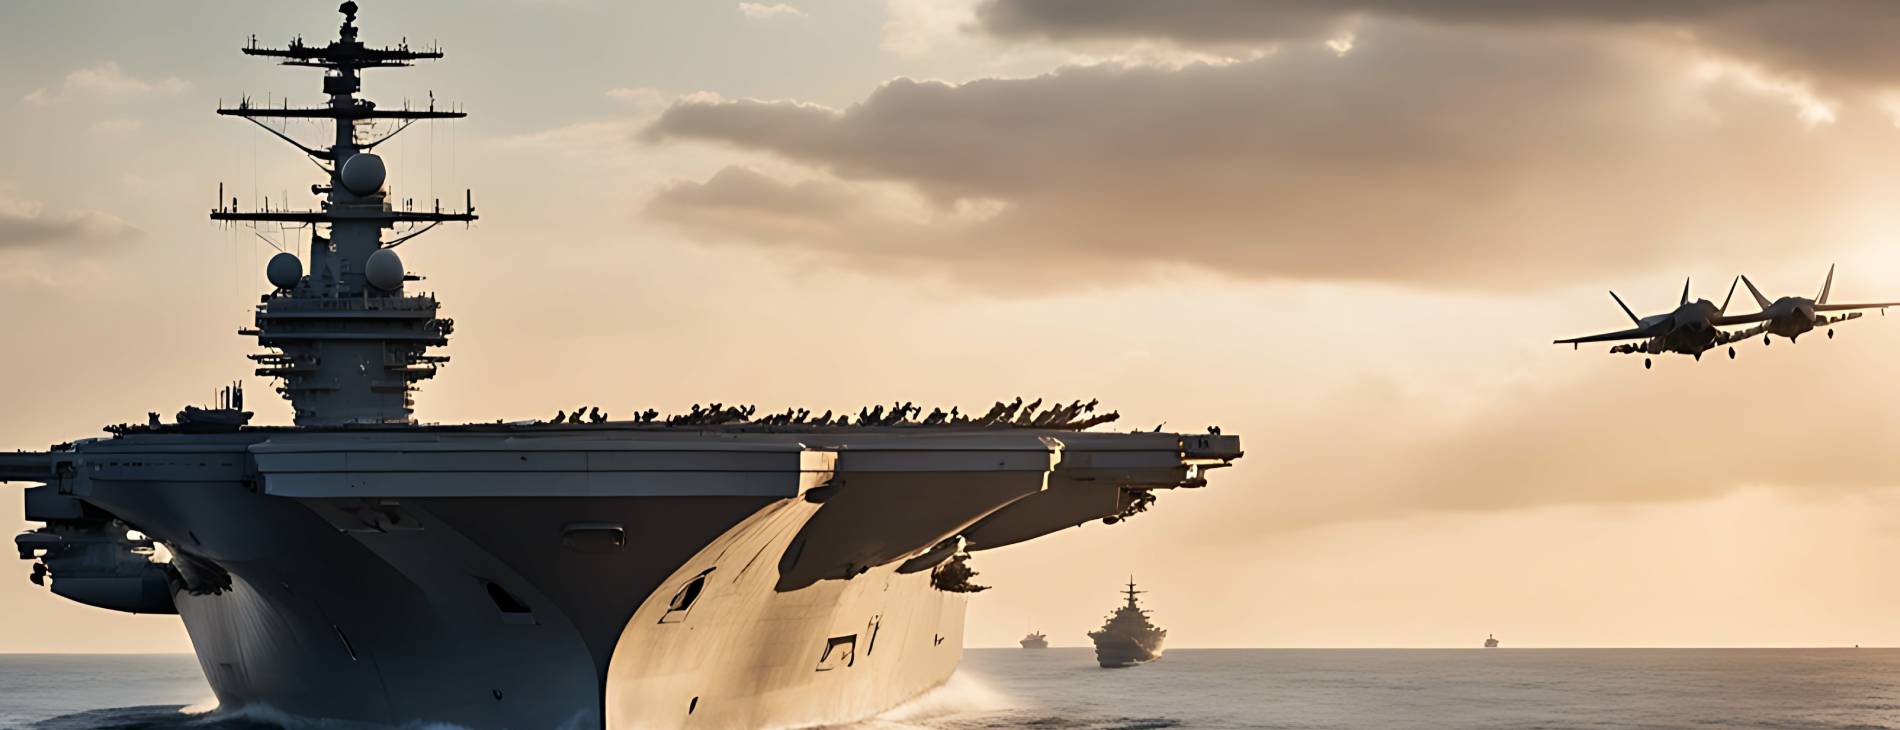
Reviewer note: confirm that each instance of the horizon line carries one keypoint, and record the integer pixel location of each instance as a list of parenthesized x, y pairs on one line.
[(1536, 647), (1458, 648)]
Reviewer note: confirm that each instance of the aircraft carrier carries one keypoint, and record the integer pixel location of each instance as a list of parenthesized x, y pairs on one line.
[(716, 568)]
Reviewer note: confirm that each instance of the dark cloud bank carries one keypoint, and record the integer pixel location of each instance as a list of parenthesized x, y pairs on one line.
[(1451, 155), (1838, 41)]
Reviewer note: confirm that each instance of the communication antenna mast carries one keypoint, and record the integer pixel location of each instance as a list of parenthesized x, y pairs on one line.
[(345, 340)]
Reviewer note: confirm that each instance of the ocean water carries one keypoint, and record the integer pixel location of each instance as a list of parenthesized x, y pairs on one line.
[(1059, 689)]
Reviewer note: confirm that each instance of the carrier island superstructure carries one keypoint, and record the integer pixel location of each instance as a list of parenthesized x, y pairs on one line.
[(711, 569)]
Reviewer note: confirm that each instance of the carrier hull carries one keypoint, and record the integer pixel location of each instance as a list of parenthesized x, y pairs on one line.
[(587, 577), (362, 639)]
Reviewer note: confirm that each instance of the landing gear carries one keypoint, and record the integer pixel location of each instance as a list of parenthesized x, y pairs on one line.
[(1766, 340), (1731, 352), (1646, 363), (1830, 333)]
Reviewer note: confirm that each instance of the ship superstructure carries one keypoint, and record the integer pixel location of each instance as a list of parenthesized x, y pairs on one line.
[(715, 568), (1128, 638), (346, 341), (1035, 640)]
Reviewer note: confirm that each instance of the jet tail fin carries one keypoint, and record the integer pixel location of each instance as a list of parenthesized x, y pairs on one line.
[(1826, 285), (1730, 297), (1685, 292), (1626, 308), (1759, 299)]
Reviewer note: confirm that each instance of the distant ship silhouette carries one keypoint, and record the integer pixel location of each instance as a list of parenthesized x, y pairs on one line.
[(1128, 638), (1491, 641)]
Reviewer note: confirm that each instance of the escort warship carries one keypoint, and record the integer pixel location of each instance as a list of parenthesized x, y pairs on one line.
[(716, 568), (1127, 638)]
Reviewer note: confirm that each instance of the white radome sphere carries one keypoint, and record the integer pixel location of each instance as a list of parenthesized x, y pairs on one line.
[(284, 270), (364, 173), (383, 270)]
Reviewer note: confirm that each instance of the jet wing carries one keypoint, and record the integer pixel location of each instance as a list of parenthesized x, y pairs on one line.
[(1732, 320), (1740, 335), (1638, 333), (1845, 307)]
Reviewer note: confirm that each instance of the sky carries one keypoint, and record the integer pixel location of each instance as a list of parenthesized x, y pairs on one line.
[(1347, 231)]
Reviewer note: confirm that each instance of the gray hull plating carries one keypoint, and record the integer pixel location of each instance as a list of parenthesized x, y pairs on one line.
[(593, 576), (296, 633)]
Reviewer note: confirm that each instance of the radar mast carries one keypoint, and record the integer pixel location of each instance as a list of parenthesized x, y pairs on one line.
[(1131, 593), (345, 340)]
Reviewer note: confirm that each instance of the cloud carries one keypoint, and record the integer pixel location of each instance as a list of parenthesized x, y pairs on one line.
[(1761, 421), (760, 11), (27, 225), (917, 26), (1423, 157), (1845, 41), (638, 96), (749, 204), (884, 229), (104, 80)]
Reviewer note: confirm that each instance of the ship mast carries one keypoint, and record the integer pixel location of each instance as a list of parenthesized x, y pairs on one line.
[(346, 342)]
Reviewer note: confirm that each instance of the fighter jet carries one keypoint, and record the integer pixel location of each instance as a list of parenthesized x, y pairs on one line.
[(1691, 329), (1792, 317)]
